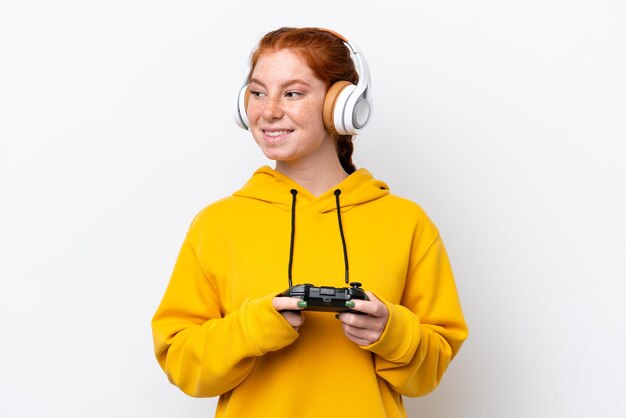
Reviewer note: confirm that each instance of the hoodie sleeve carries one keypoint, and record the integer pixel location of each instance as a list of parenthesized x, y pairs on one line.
[(425, 331), (202, 351)]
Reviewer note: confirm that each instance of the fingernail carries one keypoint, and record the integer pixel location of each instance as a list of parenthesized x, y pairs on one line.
[(303, 304), (349, 304)]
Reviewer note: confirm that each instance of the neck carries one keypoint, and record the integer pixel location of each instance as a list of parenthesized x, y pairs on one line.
[(315, 178)]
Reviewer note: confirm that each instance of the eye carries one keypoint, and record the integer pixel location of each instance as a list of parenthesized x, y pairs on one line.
[(256, 93), (293, 94)]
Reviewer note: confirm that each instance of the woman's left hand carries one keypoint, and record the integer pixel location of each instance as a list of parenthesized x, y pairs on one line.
[(365, 329)]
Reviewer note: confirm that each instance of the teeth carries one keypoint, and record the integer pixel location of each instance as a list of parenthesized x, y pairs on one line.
[(276, 133)]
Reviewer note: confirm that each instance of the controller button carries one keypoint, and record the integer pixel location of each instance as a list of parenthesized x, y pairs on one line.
[(327, 291)]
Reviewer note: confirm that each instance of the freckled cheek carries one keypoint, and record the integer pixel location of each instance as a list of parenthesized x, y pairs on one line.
[(309, 115), (253, 112)]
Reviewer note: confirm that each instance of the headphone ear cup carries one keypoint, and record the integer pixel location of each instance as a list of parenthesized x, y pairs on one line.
[(333, 108), (246, 100), (241, 107)]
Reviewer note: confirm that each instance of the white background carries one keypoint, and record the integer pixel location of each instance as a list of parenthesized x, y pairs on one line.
[(504, 120)]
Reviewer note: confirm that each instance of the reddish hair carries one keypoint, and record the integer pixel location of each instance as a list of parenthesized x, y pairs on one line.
[(329, 59)]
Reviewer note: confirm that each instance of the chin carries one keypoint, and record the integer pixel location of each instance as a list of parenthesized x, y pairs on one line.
[(273, 155), (278, 153), (280, 159)]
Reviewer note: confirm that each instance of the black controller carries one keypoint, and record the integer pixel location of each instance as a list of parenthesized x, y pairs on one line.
[(326, 298)]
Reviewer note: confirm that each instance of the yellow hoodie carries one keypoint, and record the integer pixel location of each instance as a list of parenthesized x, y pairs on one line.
[(216, 332)]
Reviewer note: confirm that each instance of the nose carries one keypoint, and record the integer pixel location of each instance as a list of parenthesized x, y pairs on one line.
[(272, 109)]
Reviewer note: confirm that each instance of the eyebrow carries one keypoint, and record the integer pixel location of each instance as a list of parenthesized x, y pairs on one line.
[(284, 84)]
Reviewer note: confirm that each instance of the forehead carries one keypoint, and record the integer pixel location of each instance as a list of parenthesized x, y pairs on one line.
[(282, 64)]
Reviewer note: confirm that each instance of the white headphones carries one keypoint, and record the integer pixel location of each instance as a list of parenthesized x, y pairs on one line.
[(347, 107)]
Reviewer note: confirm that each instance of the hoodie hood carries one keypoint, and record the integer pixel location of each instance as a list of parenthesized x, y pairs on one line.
[(268, 185)]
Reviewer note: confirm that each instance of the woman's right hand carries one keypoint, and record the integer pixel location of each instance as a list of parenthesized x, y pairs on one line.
[(289, 309)]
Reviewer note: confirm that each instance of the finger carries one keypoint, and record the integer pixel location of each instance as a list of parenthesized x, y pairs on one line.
[(360, 336), (372, 307), (356, 320), (295, 319), (359, 341), (283, 303), (363, 323)]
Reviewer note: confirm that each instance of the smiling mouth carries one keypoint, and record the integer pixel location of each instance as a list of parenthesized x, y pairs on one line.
[(276, 134)]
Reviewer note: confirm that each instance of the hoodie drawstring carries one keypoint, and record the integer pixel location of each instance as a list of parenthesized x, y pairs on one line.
[(343, 239), (294, 192)]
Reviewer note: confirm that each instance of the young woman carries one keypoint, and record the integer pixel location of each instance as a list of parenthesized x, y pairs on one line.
[(224, 328)]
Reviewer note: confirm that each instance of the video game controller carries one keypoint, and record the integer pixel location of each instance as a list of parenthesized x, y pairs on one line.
[(327, 298)]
